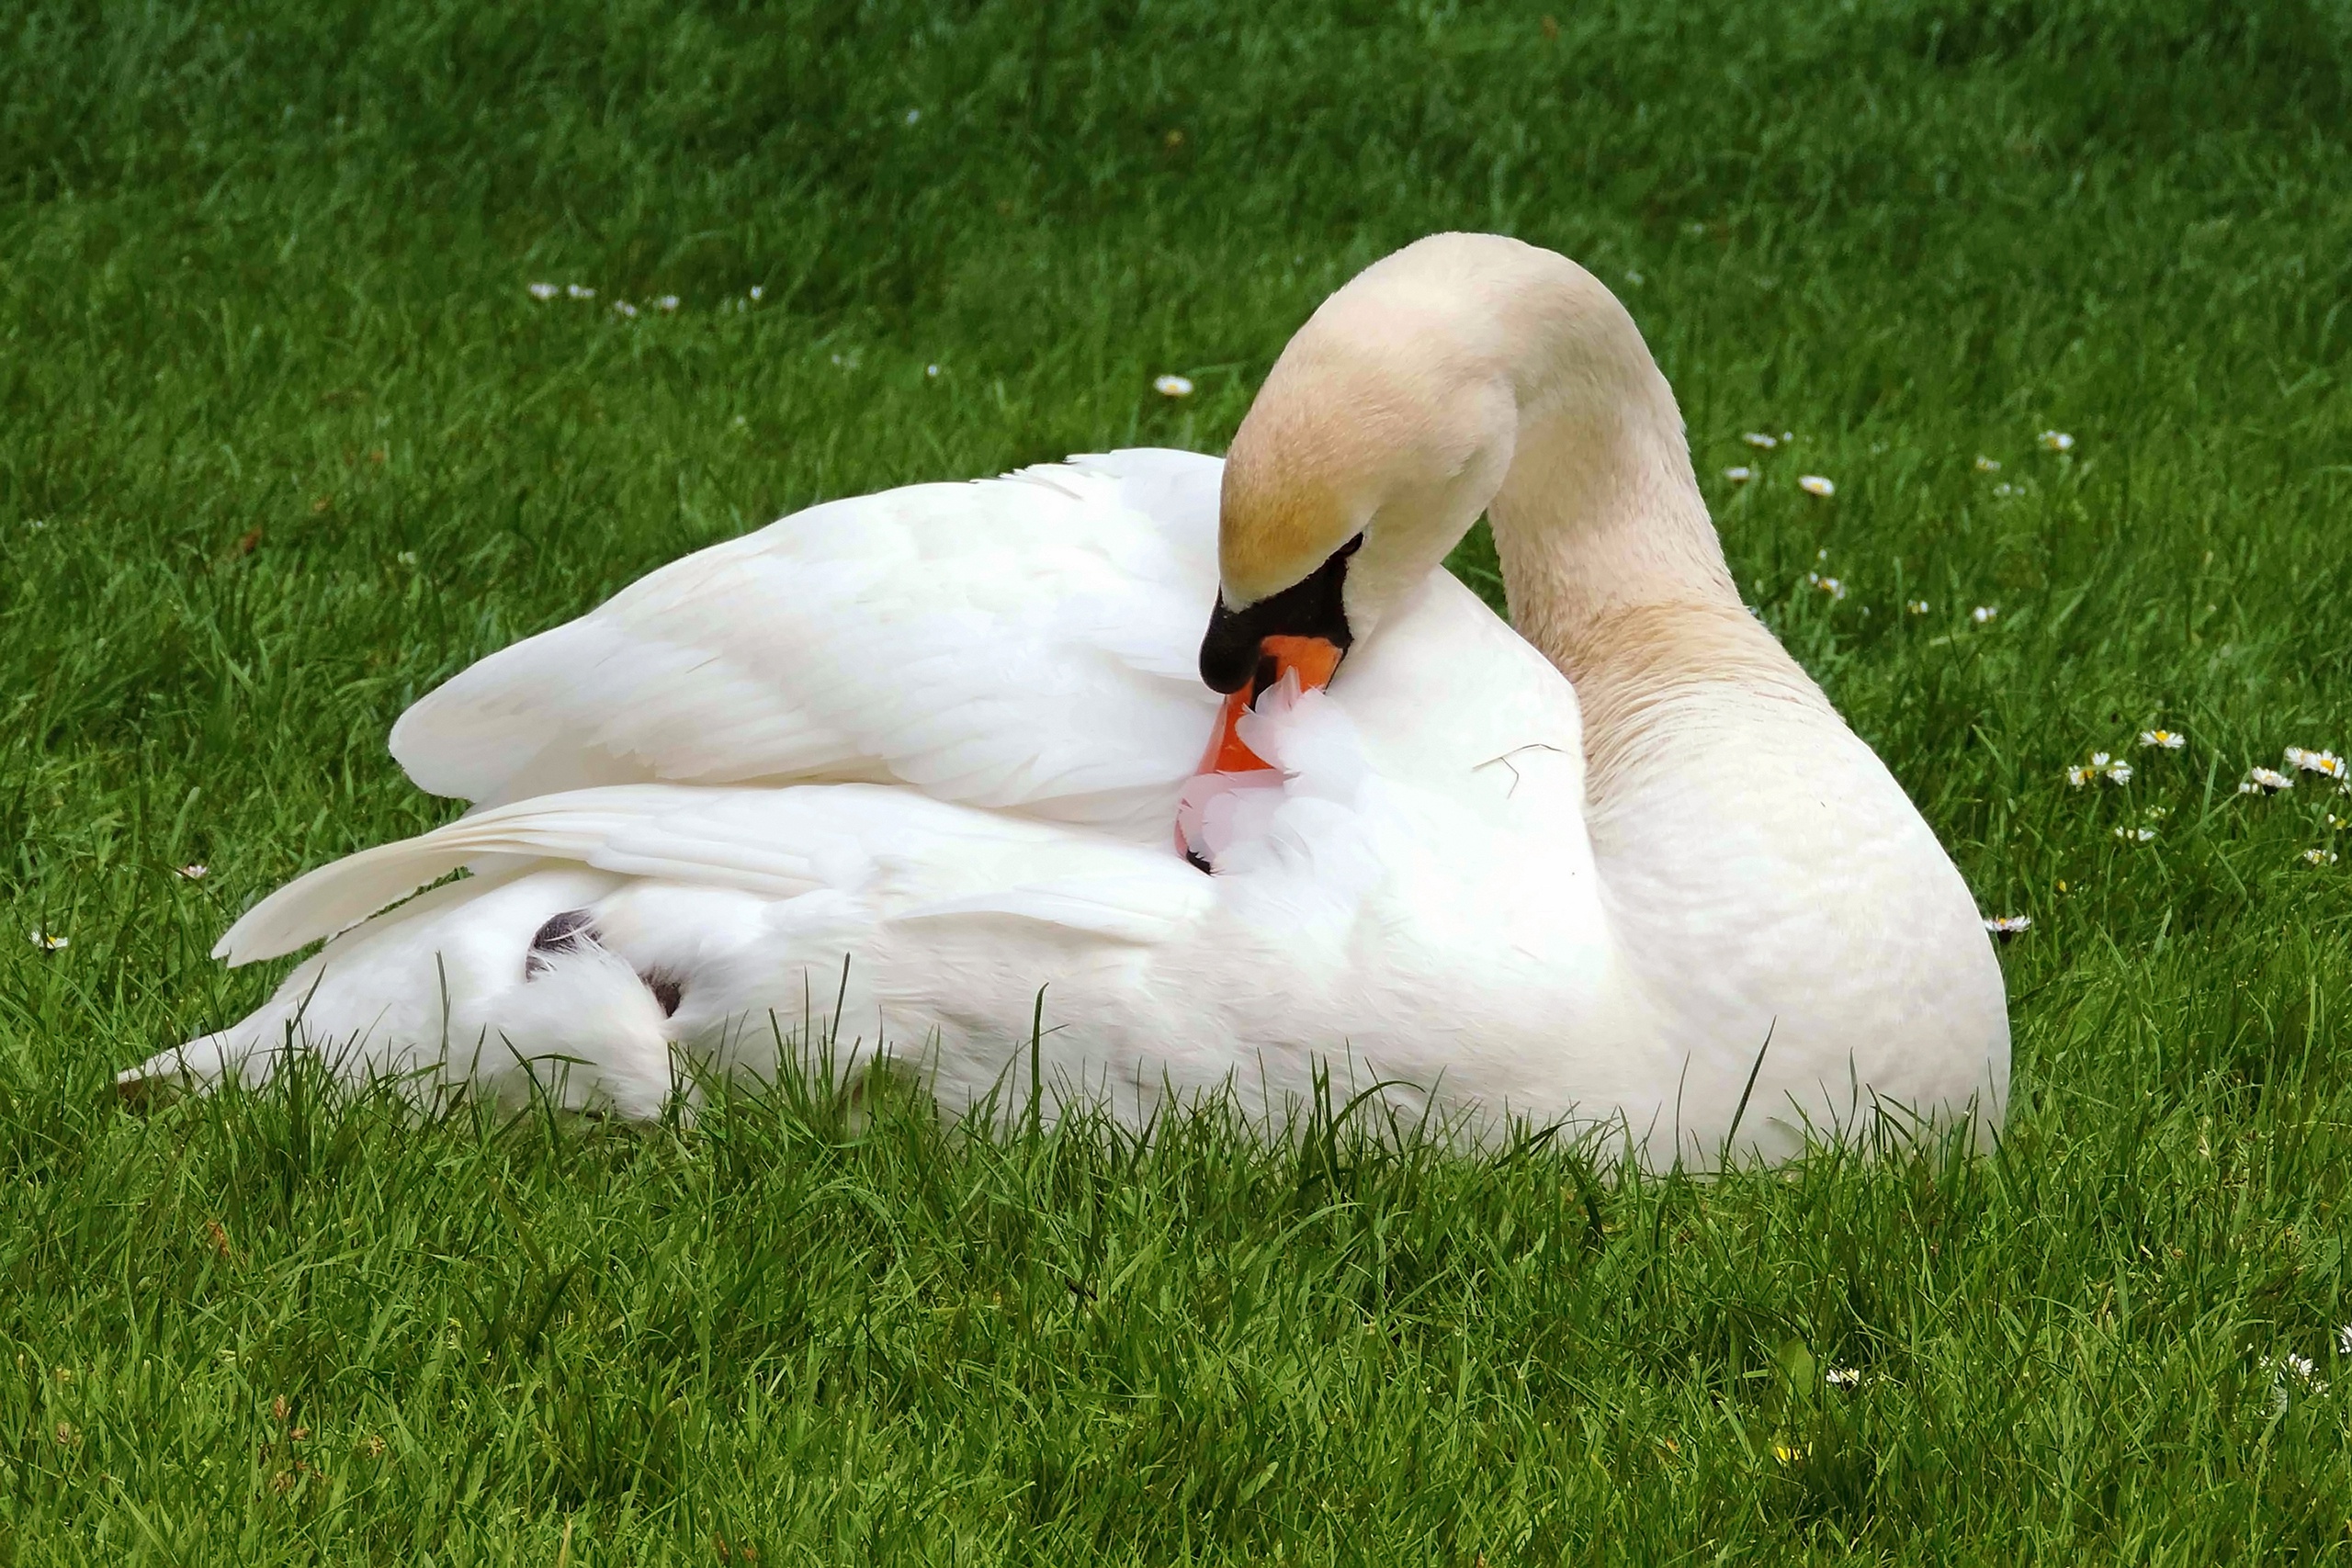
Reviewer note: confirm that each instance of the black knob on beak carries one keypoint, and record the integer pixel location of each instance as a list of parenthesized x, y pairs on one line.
[(1314, 606)]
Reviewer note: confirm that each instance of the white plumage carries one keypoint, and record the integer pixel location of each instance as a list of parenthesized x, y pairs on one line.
[(880, 775)]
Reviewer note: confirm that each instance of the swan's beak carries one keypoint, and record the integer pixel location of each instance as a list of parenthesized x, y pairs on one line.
[(1311, 660), (1301, 634), (1229, 763)]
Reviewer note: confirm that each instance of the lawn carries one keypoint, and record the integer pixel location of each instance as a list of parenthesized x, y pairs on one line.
[(285, 439)]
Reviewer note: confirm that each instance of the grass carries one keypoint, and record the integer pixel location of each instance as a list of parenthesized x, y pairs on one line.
[(284, 441)]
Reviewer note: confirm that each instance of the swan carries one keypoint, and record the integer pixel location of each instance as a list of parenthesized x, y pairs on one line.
[(932, 776)]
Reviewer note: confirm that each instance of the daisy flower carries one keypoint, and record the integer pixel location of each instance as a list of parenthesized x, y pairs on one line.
[(2324, 763), (1842, 1377), (2005, 489), (1988, 465), (2264, 781), (2319, 857), (544, 291), (2055, 441), (49, 944), (197, 872), (2008, 926), (757, 292), (2164, 740), (2101, 765), (623, 308), (667, 302), (1173, 385), (931, 372), (1916, 606), (1814, 484), (1761, 441), (1739, 475), (578, 291), (1829, 585), (1983, 614)]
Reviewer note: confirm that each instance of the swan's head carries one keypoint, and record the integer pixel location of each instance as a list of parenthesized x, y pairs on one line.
[(1380, 434)]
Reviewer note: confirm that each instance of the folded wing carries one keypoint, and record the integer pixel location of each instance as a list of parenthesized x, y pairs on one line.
[(902, 855), (1024, 643)]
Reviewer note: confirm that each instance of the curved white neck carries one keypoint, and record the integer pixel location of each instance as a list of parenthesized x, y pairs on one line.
[(1610, 563)]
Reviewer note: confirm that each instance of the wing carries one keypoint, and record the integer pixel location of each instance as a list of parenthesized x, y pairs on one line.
[(1023, 643), (903, 855)]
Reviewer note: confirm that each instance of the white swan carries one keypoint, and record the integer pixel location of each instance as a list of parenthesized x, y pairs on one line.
[(894, 766)]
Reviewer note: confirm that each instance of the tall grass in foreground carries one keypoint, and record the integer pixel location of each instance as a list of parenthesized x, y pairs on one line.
[(285, 440)]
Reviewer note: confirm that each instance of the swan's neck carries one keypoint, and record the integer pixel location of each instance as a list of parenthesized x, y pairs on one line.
[(1611, 565)]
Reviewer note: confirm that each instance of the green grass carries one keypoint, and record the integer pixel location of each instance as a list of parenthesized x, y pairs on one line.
[(284, 440)]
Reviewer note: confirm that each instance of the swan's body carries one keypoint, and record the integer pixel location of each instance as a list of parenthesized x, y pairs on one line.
[(884, 772)]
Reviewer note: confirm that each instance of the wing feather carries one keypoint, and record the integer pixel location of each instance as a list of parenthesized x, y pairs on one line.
[(908, 857), (1024, 643)]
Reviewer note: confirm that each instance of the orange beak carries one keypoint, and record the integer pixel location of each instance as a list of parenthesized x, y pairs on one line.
[(1312, 659)]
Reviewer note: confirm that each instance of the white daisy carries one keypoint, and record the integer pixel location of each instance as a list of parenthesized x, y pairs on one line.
[(2164, 740), (1988, 465), (2078, 775), (1760, 440), (667, 302), (2344, 1340), (1829, 585), (2319, 857), (1814, 484), (913, 115), (578, 291), (49, 944), (1842, 1377), (2264, 781), (757, 292), (931, 371), (1983, 614), (2324, 762), (1916, 606), (624, 309), (2005, 489), (2056, 441), (1739, 474), (1173, 385), (2119, 772), (2007, 926), (196, 873), (544, 291)]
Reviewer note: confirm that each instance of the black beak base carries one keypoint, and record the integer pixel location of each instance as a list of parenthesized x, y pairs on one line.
[(1311, 607)]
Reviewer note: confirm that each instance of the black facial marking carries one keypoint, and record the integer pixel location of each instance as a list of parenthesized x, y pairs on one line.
[(1310, 607), (566, 931)]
